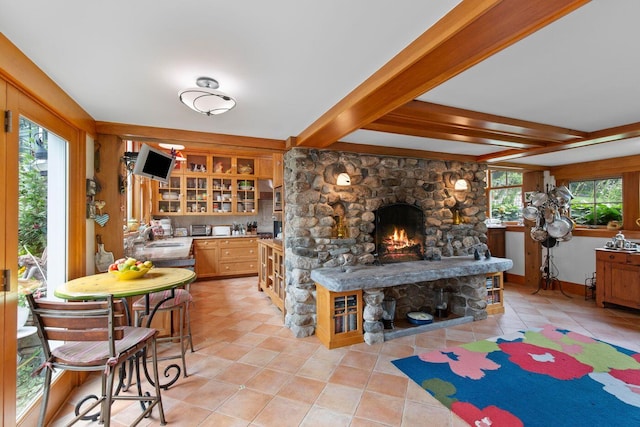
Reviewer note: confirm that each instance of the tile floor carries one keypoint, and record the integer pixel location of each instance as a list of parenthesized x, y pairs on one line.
[(248, 370)]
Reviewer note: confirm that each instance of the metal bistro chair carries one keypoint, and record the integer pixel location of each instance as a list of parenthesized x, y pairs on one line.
[(180, 301), (96, 338)]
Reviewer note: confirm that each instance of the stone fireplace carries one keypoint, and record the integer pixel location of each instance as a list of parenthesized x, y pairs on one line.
[(327, 225), (399, 233)]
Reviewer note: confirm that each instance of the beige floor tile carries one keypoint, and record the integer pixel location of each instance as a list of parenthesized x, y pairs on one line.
[(249, 369)]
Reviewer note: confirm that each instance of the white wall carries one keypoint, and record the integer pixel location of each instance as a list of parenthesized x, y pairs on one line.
[(574, 260), (514, 249)]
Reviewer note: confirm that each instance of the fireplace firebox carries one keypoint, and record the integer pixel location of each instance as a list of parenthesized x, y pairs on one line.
[(399, 233)]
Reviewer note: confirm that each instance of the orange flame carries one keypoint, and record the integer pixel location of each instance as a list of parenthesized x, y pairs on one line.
[(398, 239)]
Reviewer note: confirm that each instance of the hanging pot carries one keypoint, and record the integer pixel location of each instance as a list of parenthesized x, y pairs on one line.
[(531, 213), (566, 237), (539, 234), (559, 227), (549, 214), (539, 199), (549, 242)]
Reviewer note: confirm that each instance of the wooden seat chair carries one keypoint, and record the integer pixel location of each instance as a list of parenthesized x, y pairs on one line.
[(174, 300), (96, 338)]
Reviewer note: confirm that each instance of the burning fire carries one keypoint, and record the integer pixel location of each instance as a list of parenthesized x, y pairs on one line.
[(398, 239)]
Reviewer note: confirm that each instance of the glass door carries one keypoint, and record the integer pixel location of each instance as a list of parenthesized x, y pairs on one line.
[(42, 241)]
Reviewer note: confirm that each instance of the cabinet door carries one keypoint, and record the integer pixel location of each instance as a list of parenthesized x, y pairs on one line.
[(168, 198), (196, 192), (246, 196), (623, 286), (222, 191), (278, 169), (206, 252)]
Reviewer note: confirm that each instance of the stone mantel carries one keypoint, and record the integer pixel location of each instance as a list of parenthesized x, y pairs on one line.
[(349, 278)]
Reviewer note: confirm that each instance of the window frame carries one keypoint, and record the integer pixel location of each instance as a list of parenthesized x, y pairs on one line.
[(595, 180), (490, 187)]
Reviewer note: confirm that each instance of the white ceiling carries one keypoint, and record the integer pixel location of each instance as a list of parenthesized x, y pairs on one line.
[(288, 61)]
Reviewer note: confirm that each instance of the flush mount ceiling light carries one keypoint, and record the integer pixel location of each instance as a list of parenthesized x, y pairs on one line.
[(170, 146), (205, 99)]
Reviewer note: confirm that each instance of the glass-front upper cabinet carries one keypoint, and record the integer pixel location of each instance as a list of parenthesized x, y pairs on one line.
[(169, 196), (222, 195), (196, 189), (246, 166), (246, 201), (222, 164)]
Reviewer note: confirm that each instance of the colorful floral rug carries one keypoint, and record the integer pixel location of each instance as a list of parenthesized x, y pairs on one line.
[(539, 377)]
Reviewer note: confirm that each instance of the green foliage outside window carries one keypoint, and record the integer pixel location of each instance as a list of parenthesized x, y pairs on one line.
[(32, 193), (505, 195), (596, 202)]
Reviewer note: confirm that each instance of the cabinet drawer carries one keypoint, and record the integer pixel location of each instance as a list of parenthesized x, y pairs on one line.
[(205, 244), (239, 267), (238, 243), (236, 253), (610, 256)]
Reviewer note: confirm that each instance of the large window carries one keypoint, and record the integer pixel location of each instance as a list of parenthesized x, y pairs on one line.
[(505, 195), (596, 202)]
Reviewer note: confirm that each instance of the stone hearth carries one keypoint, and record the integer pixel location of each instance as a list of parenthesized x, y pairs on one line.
[(314, 205)]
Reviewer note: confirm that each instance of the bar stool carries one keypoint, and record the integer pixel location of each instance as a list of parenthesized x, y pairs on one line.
[(180, 301)]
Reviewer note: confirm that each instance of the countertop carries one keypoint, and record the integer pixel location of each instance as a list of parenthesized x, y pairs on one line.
[(370, 276), (168, 252)]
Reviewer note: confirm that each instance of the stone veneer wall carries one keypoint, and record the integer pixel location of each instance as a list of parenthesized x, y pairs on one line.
[(312, 200)]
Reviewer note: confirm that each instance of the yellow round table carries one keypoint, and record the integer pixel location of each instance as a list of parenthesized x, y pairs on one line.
[(99, 285)]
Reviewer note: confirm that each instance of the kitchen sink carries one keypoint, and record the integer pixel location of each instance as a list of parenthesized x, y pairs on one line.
[(165, 245)]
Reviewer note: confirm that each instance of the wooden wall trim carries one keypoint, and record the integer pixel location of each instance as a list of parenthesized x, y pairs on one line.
[(596, 169), (18, 69), (192, 139)]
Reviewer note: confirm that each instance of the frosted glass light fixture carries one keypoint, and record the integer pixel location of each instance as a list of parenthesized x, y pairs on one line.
[(461, 185), (205, 99)]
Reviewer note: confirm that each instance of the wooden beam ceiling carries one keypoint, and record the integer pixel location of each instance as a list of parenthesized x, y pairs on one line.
[(468, 34)]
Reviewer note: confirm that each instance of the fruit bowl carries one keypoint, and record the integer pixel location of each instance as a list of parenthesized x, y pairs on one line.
[(130, 274)]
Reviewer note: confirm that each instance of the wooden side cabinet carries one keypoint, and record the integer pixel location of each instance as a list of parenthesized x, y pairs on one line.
[(618, 274), (495, 293), (271, 272), (496, 241), (339, 317)]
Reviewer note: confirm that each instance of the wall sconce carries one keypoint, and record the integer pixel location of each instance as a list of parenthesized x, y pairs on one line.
[(343, 179), (461, 185)]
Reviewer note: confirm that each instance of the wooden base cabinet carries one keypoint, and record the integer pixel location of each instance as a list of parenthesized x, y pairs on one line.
[(206, 253), (339, 317), (222, 257), (238, 256), (495, 293), (271, 272), (618, 278)]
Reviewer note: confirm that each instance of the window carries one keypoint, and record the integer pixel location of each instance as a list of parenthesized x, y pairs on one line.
[(505, 195), (596, 202)]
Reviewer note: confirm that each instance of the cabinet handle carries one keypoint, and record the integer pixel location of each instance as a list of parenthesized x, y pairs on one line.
[(226, 252), (611, 257)]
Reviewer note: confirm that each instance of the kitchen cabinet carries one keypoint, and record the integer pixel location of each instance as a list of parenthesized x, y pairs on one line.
[(495, 293), (206, 254), (221, 257), (278, 169), (167, 198), (618, 275), (210, 184), (339, 317), (238, 256), (496, 241), (271, 271)]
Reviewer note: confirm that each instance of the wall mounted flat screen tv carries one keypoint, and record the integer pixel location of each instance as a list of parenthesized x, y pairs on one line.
[(154, 163)]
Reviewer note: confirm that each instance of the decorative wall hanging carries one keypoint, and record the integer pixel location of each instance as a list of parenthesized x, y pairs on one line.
[(101, 218)]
